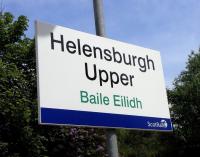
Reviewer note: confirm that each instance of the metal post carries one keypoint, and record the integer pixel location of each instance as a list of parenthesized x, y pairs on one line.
[(99, 19), (112, 143), (100, 31)]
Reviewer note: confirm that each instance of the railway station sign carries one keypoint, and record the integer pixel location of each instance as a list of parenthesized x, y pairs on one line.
[(87, 80)]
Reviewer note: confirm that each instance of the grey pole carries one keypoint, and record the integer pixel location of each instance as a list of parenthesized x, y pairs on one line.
[(99, 19), (112, 143), (100, 31)]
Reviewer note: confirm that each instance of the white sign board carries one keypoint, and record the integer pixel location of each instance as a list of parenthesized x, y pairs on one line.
[(88, 80)]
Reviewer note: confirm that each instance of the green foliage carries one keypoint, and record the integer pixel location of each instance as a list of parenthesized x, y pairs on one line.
[(18, 108), (137, 143), (20, 134), (185, 101)]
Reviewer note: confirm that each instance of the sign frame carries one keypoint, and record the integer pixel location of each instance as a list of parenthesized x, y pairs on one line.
[(73, 117)]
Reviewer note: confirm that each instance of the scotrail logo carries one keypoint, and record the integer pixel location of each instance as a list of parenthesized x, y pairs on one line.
[(161, 124)]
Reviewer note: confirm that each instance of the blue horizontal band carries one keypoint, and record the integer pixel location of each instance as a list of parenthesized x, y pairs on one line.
[(97, 119)]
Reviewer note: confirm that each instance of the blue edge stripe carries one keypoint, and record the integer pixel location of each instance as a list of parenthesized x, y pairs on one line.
[(97, 119)]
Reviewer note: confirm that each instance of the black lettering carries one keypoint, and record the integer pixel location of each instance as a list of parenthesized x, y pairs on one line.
[(95, 53), (71, 47), (107, 55), (61, 41), (79, 46), (131, 79), (142, 64), (95, 72), (116, 81), (150, 61), (116, 53), (133, 58), (124, 79), (101, 79), (129, 59), (87, 48)]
